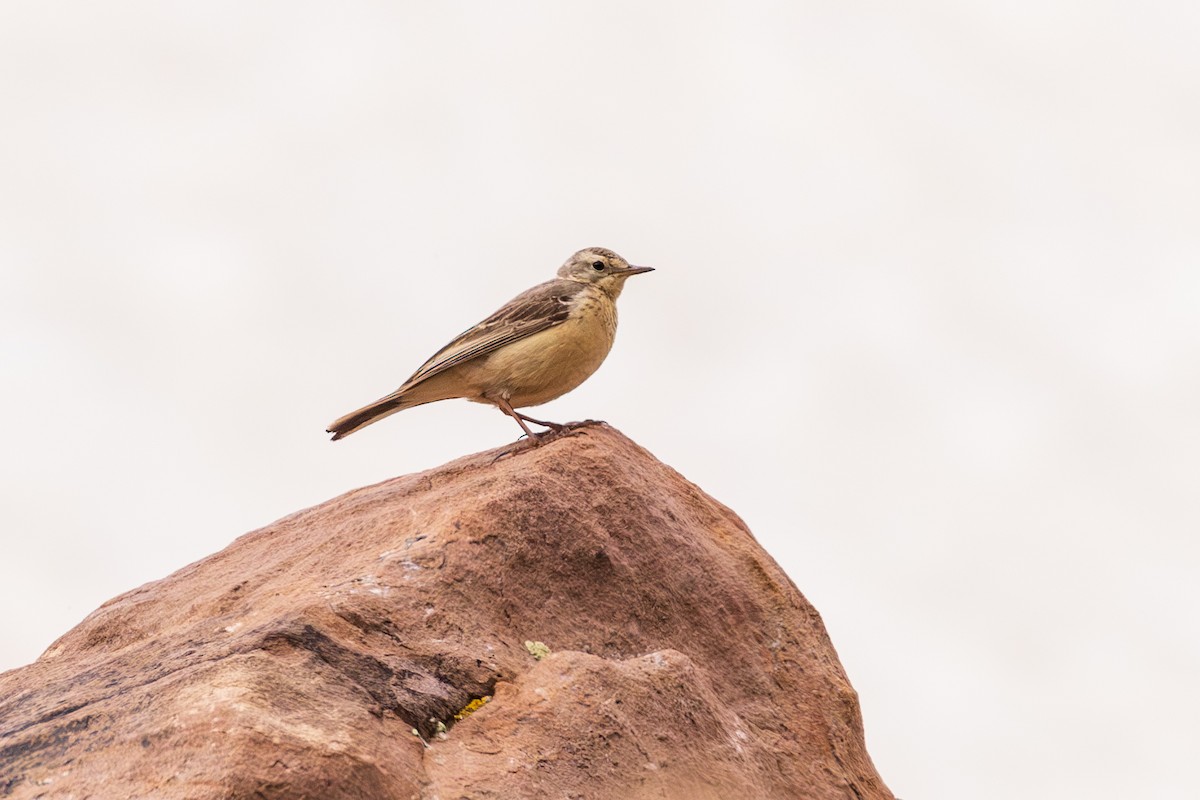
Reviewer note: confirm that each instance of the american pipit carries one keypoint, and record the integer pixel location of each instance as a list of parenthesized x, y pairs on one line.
[(539, 346)]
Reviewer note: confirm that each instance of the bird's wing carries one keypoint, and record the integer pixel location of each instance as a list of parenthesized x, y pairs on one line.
[(540, 308)]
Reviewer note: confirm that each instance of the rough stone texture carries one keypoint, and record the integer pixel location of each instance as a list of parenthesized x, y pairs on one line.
[(296, 662)]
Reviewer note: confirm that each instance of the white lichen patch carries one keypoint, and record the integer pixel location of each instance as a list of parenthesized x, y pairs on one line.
[(538, 650)]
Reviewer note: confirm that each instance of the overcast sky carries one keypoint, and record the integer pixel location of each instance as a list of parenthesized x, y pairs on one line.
[(926, 314)]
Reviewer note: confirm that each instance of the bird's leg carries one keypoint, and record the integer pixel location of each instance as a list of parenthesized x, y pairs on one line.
[(554, 426), (503, 405)]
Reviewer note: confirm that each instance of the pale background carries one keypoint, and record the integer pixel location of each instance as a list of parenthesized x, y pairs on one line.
[(926, 314)]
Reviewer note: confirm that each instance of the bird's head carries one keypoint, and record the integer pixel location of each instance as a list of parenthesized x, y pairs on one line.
[(601, 267)]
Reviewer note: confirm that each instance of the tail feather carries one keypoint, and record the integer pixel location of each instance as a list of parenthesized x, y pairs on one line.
[(407, 396), (348, 424)]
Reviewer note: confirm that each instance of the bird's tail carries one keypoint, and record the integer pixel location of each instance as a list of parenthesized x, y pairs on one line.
[(389, 405)]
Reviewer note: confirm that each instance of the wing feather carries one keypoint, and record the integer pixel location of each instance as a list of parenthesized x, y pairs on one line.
[(533, 311)]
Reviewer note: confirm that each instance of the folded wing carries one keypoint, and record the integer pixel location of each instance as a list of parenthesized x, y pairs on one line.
[(540, 308)]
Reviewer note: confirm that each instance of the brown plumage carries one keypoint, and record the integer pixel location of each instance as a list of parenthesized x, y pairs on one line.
[(540, 345)]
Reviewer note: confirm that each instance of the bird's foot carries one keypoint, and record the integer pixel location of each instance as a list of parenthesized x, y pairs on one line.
[(522, 444), (533, 440), (584, 423), (565, 429), (554, 426)]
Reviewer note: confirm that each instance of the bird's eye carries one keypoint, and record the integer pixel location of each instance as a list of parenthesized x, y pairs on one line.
[(597, 265)]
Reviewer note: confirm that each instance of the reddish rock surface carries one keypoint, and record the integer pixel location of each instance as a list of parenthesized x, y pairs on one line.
[(297, 662)]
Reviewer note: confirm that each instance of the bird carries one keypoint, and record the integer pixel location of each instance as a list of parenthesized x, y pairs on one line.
[(540, 345)]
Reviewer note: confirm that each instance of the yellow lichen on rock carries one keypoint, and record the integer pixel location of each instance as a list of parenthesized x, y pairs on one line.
[(471, 707)]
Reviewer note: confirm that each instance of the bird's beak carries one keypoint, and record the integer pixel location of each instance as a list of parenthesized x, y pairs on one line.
[(631, 270)]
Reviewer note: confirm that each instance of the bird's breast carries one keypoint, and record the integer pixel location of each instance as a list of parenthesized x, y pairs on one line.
[(548, 364)]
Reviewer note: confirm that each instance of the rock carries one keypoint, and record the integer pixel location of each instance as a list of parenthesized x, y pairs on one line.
[(326, 655)]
